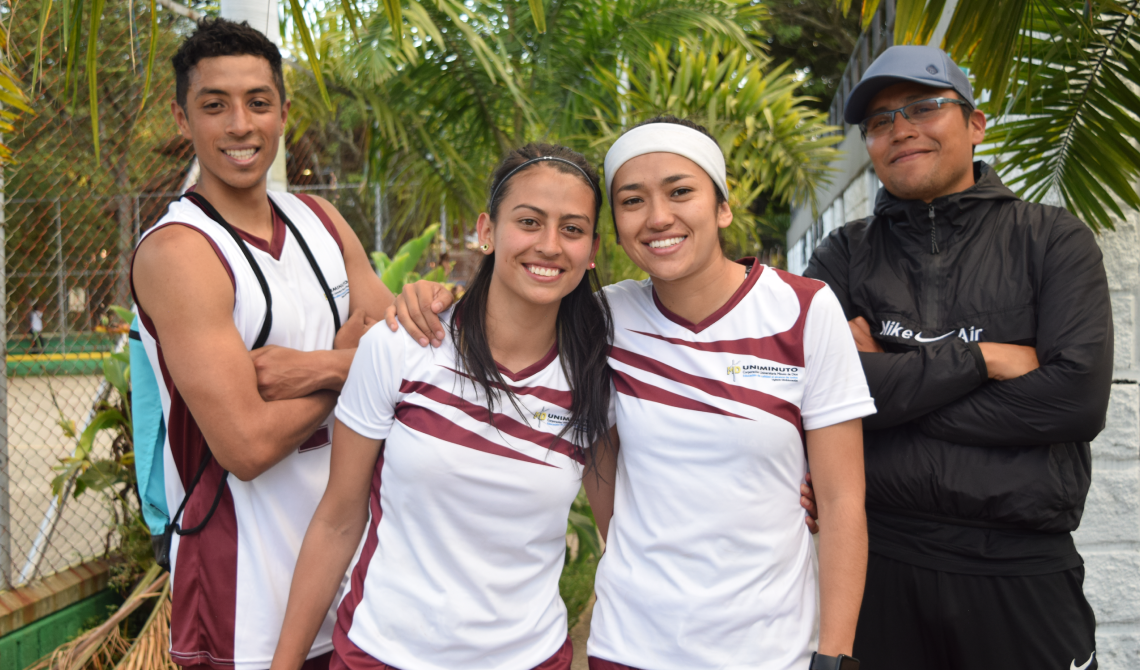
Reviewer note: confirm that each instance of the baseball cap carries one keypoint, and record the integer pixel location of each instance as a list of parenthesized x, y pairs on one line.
[(917, 63)]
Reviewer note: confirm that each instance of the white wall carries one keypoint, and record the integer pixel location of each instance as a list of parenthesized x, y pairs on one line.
[(1109, 536)]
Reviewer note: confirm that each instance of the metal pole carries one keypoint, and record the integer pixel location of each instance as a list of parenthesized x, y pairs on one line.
[(5, 515), (378, 233), (61, 288)]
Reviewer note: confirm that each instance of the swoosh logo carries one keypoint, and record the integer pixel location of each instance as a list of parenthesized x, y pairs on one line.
[(1073, 664), (919, 338)]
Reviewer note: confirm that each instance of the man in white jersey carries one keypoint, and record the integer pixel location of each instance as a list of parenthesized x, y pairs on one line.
[(229, 268)]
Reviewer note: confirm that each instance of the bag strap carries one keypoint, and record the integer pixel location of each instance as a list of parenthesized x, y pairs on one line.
[(312, 262), (194, 484), (266, 325)]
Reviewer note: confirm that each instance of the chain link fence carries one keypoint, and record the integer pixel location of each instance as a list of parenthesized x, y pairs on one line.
[(70, 223)]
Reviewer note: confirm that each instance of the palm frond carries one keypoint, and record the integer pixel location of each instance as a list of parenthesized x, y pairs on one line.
[(1071, 106)]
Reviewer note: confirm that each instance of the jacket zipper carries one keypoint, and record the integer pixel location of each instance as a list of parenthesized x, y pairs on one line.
[(933, 232)]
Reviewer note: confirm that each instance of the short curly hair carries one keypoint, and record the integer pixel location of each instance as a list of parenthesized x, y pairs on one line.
[(222, 37)]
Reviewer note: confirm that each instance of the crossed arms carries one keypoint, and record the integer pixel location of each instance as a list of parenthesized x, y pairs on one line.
[(252, 408)]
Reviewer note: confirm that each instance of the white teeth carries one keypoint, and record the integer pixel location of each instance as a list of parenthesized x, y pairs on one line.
[(661, 244), (543, 272), (241, 154)]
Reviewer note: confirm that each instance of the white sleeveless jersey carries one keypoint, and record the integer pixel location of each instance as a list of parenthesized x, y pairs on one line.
[(461, 560), (708, 562), (231, 581)]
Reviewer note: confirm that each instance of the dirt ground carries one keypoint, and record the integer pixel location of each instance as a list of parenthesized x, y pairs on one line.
[(35, 444)]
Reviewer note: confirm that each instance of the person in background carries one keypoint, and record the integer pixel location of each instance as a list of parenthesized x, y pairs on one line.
[(985, 330), (36, 328)]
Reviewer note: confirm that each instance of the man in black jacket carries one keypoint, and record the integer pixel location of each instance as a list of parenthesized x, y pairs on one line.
[(985, 331)]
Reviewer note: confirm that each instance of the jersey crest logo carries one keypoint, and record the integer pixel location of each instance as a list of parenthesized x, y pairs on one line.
[(550, 418), (777, 373)]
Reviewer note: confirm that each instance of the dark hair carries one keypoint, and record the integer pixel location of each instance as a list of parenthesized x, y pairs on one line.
[(584, 325), (675, 120), (222, 37)]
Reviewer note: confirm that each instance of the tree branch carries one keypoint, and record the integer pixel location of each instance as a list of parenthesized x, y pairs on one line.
[(182, 10)]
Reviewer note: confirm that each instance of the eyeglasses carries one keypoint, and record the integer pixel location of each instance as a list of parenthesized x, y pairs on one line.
[(918, 112)]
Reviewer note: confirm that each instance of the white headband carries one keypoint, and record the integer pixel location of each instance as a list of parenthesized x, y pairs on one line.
[(672, 139)]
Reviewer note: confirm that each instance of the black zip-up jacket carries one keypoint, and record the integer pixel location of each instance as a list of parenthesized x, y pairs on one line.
[(933, 280)]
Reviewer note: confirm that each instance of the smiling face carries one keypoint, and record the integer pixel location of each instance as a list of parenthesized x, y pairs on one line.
[(234, 116), (542, 236), (930, 160), (667, 215)]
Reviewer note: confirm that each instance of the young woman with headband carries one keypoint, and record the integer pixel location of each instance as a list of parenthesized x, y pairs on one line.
[(731, 378), (468, 494)]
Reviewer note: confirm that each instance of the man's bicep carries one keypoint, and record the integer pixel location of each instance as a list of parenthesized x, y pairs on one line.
[(187, 295)]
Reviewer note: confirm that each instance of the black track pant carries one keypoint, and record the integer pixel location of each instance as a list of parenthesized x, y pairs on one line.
[(918, 619)]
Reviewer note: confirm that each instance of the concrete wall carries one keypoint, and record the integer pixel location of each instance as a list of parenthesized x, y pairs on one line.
[(1109, 536)]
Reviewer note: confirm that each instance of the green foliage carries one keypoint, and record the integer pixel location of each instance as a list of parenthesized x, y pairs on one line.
[(433, 122), (112, 476), (1062, 80), (775, 147), (400, 269)]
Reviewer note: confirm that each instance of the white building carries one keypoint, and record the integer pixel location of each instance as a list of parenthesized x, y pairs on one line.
[(1109, 535)]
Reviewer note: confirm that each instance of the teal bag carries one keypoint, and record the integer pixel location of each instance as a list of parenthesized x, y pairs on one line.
[(150, 435)]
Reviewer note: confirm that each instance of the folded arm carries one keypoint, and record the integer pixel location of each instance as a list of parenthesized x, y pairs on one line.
[(1066, 398), (184, 290), (287, 373)]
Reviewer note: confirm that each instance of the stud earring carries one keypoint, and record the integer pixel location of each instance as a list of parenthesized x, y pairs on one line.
[(484, 247), (592, 266)]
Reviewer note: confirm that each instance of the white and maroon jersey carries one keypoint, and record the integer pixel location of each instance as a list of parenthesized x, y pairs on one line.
[(709, 563), (231, 580), (467, 539)]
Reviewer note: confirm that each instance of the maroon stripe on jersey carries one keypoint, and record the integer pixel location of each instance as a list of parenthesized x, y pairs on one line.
[(563, 399), (634, 387), (352, 657), (204, 599), (781, 347), (737, 296), (768, 403), (347, 609), (502, 422), (276, 241), (423, 420), (530, 370), (596, 663), (319, 438), (324, 217)]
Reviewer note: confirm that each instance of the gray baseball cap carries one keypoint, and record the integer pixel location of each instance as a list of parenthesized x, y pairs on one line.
[(919, 64)]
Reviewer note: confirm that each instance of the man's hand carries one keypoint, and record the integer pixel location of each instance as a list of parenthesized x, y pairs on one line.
[(348, 337), (284, 373), (807, 501), (861, 330), (417, 308), (1008, 361)]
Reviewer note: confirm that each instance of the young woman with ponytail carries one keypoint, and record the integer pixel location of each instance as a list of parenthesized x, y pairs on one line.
[(467, 457), (730, 378)]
